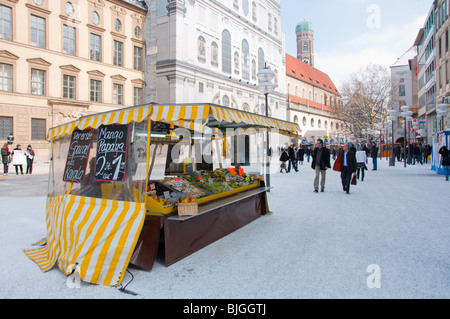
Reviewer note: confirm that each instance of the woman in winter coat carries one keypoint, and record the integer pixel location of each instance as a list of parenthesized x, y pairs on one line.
[(283, 159), (30, 159), (6, 158), (445, 161), (361, 157), (301, 155)]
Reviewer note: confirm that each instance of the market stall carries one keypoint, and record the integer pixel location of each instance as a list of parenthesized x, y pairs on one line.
[(126, 184)]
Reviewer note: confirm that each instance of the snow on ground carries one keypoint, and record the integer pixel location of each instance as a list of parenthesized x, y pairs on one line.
[(312, 246)]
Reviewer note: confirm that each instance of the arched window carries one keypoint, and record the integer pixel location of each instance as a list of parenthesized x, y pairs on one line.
[(201, 49), (246, 107), (226, 52), (296, 91), (303, 93), (214, 54), (254, 15), (275, 25), (326, 124), (261, 60), (304, 121), (312, 122), (269, 22), (319, 123), (296, 119), (245, 60), (225, 101), (245, 7)]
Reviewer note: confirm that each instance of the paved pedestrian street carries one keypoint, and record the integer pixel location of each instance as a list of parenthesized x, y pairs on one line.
[(387, 239)]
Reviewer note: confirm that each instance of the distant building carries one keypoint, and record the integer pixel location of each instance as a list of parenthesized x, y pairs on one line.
[(60, 60), (311, 99), (305, 42), (442, 38)]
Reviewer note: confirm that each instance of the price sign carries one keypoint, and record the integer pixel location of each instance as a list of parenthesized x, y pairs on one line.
[(241, 171), (232, 171), (167, 195), (77, 158), (111, 153)]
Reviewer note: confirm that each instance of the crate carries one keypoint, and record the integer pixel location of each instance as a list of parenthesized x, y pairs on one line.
[(187, 209)]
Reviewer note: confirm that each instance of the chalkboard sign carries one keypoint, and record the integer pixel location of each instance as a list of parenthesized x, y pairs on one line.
[(77, 158), (111, 158)]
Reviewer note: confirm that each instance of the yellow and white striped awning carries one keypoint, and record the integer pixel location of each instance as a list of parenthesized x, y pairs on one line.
[(94, 237), (194, 117)]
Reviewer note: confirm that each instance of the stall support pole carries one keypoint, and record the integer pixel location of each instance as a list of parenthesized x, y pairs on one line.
[(268, 146)]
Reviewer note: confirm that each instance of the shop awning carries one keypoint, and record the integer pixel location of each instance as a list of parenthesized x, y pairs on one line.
[(194, 117)]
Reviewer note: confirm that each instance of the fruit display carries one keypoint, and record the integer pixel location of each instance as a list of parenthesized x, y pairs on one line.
[(163, 201), (184, 186), (189, 199)]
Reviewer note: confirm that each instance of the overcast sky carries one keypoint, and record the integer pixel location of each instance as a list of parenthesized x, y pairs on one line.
[(350, 34)]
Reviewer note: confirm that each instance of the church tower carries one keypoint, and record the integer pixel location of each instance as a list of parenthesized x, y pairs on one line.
[(305, 42)]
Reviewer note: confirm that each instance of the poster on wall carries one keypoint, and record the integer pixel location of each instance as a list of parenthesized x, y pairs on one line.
[(78, 155), (111, 157)]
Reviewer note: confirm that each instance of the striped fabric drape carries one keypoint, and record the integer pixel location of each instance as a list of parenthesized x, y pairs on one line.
[(95, 237)]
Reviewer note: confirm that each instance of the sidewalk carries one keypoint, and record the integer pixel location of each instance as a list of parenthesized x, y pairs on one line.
[(39, 168)]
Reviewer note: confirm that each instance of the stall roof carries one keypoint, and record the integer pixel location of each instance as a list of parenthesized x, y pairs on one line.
[(183, 115)]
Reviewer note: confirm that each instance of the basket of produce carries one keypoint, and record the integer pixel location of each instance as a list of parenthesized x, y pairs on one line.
[(187, 206)]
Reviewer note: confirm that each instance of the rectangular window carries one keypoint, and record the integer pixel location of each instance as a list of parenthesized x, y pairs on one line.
[(6, 77), (118, 53), (138, 96), (96, 47), (37, 33), (38, 129), (5, 22), (37, 82), (138, 58), (69, 40), (96, 91), (6, 126), (118, 94), (69, 86)]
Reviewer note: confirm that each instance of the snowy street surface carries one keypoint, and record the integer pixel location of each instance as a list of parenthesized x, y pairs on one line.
[(388, 239)]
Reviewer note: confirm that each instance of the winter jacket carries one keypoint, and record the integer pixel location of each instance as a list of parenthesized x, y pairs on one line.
[(284, 157), (361, 157), (324, 159), (351, 162), (445, 156), (374, 152), (6, 159)]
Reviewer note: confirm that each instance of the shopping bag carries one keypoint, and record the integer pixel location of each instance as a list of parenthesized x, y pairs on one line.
[(353, 180)]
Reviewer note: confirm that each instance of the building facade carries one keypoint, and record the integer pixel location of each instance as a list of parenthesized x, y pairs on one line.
[(311, 97), (426, 59), (61, 59), (211, 52), (442, 24)]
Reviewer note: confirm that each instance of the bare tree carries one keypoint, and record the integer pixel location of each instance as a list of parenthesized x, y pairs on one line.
[(367, 95)]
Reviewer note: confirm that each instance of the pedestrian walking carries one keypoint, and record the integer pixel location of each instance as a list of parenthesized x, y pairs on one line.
[(308, 153), (18, 159), (348, 167), (320, 163), (6, 158), (292, 158), (301, 155), (284, 157), (445, 161), (374, 155), (30, 159), (361, 158)]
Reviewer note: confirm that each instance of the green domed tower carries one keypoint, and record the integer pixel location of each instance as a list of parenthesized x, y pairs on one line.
[(305, 42)]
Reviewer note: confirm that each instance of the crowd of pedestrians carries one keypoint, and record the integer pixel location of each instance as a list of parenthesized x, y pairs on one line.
[(350, 162), (18, 158)]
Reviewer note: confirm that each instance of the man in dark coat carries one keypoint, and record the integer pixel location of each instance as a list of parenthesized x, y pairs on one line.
[(374, 155), (320, 163), (292, 158), (348, 167)]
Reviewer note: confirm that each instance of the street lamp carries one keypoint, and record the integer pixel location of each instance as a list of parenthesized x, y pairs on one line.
[(266, 87), (392, 117)]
